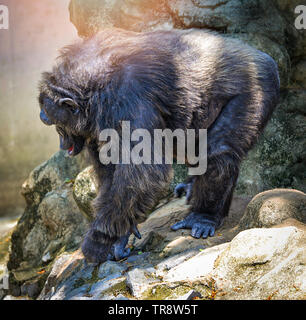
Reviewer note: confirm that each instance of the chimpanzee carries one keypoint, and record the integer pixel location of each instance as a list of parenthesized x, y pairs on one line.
[(186, 79)]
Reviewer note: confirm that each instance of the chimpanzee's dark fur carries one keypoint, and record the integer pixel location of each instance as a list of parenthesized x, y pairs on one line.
[(163, 79)]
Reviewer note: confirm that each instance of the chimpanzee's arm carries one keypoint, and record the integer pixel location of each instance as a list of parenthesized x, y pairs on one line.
[(134, 188)]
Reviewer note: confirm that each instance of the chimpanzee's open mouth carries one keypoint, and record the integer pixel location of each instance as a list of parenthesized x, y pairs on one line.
[(70, 150), (74, 145)]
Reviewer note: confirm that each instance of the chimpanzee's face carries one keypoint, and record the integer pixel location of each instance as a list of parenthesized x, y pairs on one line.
[(64, 115), (73, 144)]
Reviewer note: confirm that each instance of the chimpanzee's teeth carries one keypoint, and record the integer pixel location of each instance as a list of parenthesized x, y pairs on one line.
[(70, 150)]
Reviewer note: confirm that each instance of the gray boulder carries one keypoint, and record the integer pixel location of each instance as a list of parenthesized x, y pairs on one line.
[(272, 207), (51, 223), (84, 191), (263, 264)]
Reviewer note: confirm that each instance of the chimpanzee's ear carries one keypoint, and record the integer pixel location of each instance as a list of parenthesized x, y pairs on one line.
[(71, 103), (68, 101)]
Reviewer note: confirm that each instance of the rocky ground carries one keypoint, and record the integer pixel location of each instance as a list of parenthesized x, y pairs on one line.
[(259, 252), (7, 226), (258, 263)]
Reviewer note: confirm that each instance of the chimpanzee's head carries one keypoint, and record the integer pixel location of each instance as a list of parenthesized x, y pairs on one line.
[(70, 95), (65, 114)]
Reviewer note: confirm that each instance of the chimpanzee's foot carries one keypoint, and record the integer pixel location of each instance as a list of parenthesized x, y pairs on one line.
[(201, 225), (182, 188)]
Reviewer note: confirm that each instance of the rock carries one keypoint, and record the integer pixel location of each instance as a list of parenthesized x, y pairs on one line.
[(99, 288), (295, 103), (296, 40), (65, 265), (121, 297), (4, 283), (111, 267), (175, 260), (190, 295), (285, 5), (7, 226), (136, 15), (84, 191), (138, 259), (71, 278), (256, 264), (273, 207), (58, 224), (138, 280), (231, 16), (270, 164), (299, 74), (46, 258), (50, 175), (196, 267), (9, 297), (51, 222), (263, 264), (180, 244)]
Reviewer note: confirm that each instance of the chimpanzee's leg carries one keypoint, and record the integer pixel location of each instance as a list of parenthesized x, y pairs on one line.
[(211, 198), (229, 139), (104, 179), (134, 190)]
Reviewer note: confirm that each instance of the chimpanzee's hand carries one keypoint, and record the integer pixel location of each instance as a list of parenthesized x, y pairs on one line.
[(119, 250), (97, 250)]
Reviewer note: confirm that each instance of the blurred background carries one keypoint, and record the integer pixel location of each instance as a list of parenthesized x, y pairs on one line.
[(37, 30)]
